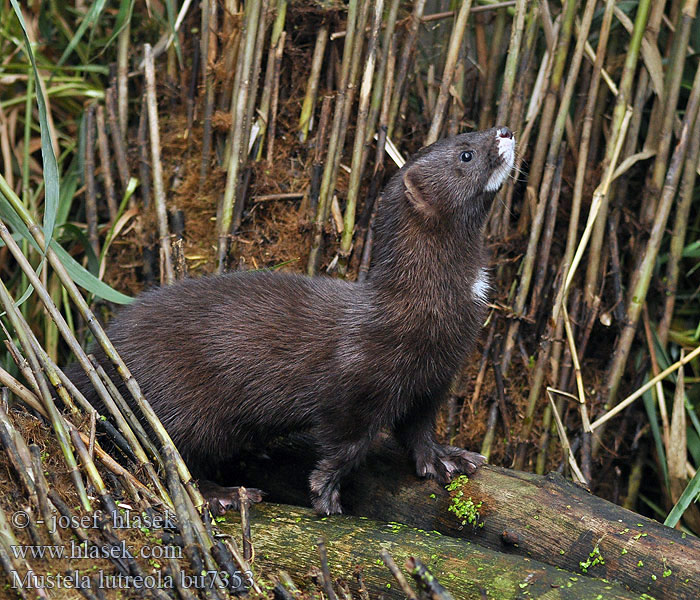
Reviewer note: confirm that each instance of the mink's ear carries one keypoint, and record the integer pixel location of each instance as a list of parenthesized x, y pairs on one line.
[(415, 196)]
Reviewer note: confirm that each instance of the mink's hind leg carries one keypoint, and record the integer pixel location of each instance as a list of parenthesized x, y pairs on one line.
[(338, 460), (222, 498), (205, 468), (416, 433)]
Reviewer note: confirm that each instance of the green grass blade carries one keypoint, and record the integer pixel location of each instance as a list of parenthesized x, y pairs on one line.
[(693, 444), (650, 405), (91, 18), (51, 178), (87, 280), (9, 216), (78, 273), (74, 232), (126, 8), (689, 495)]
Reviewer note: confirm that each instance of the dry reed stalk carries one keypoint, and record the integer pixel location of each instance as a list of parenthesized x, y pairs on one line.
[(481, 49), (655, 83), (398, 575), (541, 266), (248, 122), (23, 333), (144, 164), (106, 164), (17, 452), (677, 450), (117, 141), (550, 103), (641, 96), (247, 539), (238, 141), (512, 60), (404, 63), (560, 373), (133, 424), (193, 551), (454, 46), (538, 376), (491, 349), (584, 146), (359, 143), (599, 195), (5, 147), (208, 54), (642, 278), (123, 46), (380, 89), (232, 39), (357, 55), (658, 389), (317, 165), (493, 71), (279, 50), (363, 240), (67, 335), (363, 267), (671, 92), (92, 322), (678, 236), (622, 405), (26, 395), (456, 108), (333, 143), (51, 371), (621, 102), (549, 177), (499, 221), (21, 362), (168, 274), (563, 438), (271, 82), (46, 509), (14, 567), (309, 104), (325, 570), (429, 95), (90, 194), (581, 393), (249, 137)]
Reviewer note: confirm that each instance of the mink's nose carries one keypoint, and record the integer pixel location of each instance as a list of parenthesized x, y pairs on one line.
[(504, 132)]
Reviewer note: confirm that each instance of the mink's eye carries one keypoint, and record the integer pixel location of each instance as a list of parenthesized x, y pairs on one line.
[(466, 156)]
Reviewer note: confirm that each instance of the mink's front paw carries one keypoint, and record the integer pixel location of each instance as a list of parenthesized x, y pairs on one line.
[(325, 495), (459, 461), (442, 463)]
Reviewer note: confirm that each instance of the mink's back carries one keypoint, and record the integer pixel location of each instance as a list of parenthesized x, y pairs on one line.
[(231, 360)]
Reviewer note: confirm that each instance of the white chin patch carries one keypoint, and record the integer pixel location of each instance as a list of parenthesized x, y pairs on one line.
[(506, 150), (481, 286)]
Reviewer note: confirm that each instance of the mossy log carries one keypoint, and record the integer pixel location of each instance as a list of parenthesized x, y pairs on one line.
[(285, 537), (548, 518)]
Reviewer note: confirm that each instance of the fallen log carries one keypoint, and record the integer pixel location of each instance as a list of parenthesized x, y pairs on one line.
[(285, 537), (548, 518)]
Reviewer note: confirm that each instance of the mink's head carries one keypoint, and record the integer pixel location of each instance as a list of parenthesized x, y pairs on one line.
[(456, 178)]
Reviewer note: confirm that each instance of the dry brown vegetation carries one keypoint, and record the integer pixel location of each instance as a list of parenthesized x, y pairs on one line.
[(624, 312)]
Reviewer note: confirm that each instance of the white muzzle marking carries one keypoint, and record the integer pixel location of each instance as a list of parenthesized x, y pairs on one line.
[(506, 150)]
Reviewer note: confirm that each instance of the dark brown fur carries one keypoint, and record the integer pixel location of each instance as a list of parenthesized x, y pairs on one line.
[(228, 362)]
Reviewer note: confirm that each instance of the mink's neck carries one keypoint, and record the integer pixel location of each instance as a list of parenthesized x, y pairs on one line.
[(422, 275)]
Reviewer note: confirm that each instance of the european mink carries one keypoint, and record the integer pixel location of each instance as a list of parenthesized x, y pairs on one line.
[(230, 361)]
